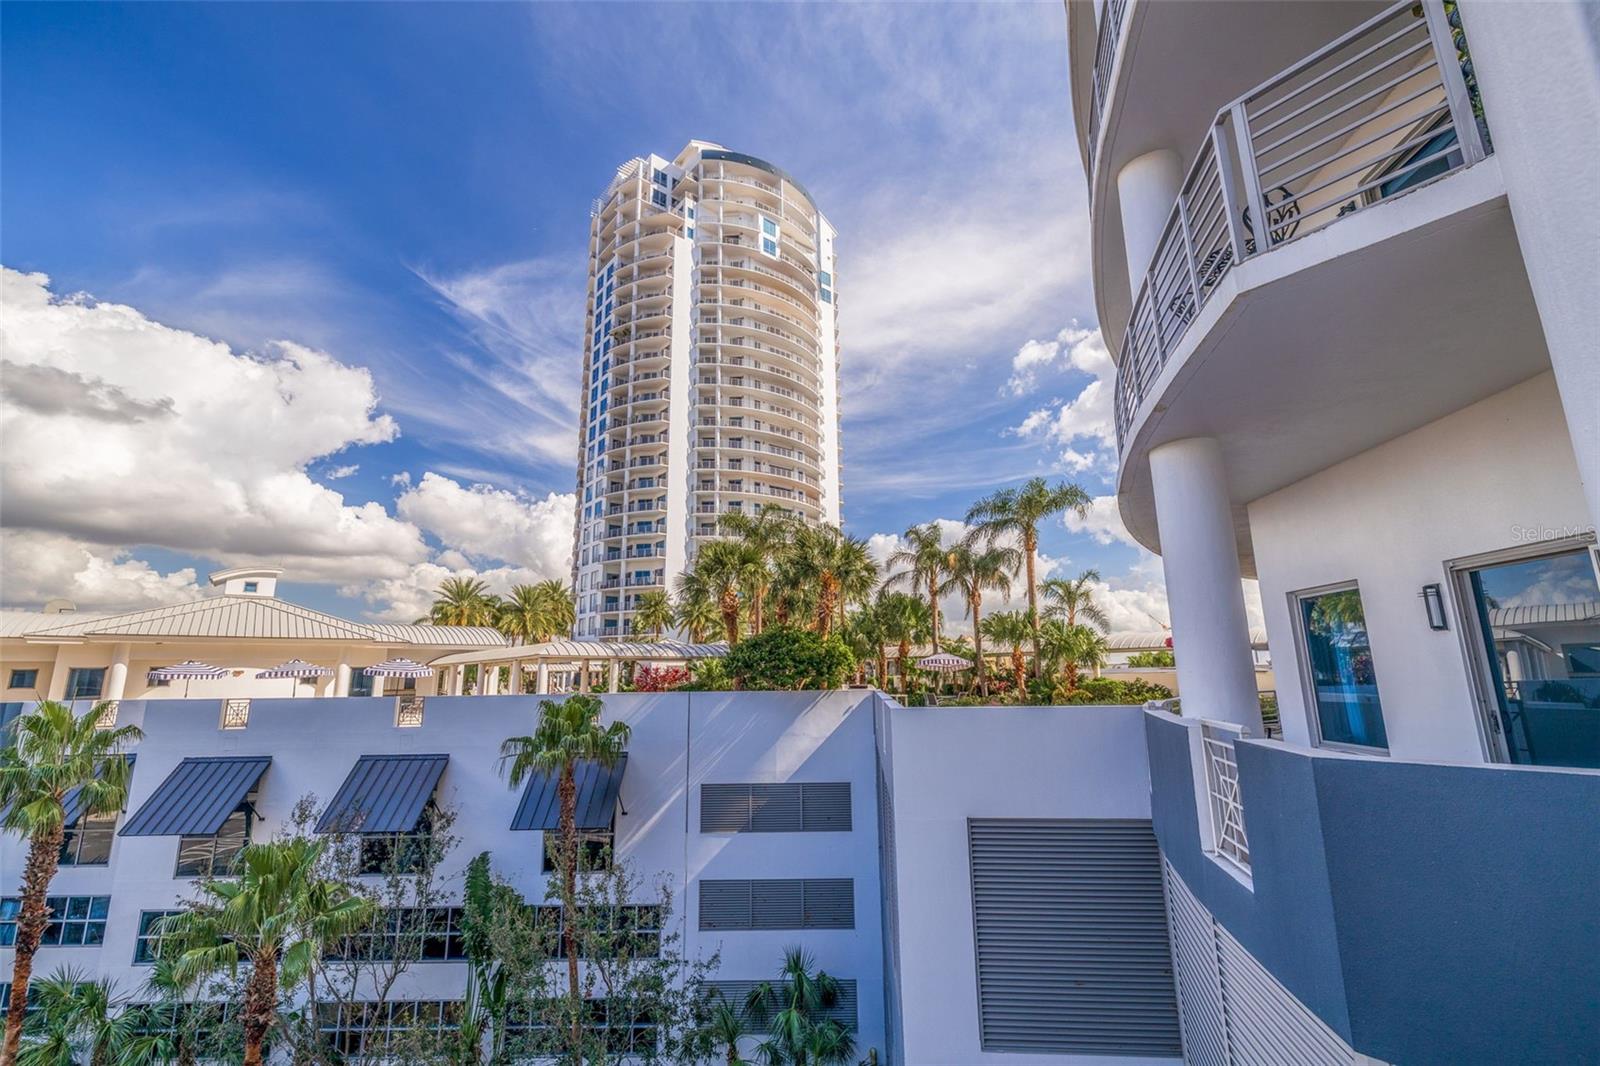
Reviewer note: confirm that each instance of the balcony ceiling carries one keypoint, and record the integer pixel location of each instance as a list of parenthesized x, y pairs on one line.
[(1181, 64), (1333, 344)]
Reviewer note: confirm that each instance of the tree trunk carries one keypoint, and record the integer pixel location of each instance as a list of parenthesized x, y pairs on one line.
[(977, 641), (44, 852), (758, 608), (260, 1006), (568, 789), (1072, 674), (905, 667), (1030, 544), (730, 615), (883, 670), (933, 607), (827, 600), (1019, 672)]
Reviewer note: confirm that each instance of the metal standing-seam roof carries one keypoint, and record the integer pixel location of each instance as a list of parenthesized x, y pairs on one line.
[(412, 633), (1545, 614), (383, 794), (598, 791), (597, 650), (197, 797)]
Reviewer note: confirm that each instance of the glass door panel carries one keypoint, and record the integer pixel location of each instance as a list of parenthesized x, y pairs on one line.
[(1343, 685)]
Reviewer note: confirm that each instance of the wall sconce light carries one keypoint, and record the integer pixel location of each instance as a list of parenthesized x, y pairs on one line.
[(1433, 600)]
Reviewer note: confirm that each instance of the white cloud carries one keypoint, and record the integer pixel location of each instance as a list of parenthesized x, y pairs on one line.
[(486, 523), (41, 566), (1103, 522), (340, 472), (1083, 427)]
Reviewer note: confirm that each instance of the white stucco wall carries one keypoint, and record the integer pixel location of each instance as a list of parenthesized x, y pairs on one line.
[(1476, 481), (952, 764)]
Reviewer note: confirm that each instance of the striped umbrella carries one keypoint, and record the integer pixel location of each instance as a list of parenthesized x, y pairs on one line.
[(187, 671), (945, 664), (297, 669), (401, 667)]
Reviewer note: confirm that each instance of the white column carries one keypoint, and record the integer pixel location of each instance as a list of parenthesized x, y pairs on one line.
[(1536, 68), (542, 679), (1147, 188), (378, 685), (341, 676), (57, 689), (516, 678), (1199, 552), (117, 676), (613, 669), (458, 679)]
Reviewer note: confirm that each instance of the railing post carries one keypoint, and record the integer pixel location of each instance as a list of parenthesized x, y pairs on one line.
[(1222, 148), (1188, 251), (1252, 180), (1455, 86)]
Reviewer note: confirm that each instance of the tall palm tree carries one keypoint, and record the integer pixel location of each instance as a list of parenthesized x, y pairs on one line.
[(799, 1032), (1011, 628), (48, 753), (1072, 599), (276, 913), (973, 568), (696, 611), (924, 557), (768, 531), (568, 731), (533, 614), (1018, 512), (724, 567), (726, 1027), (905, 620), (79, 1019), (652, 613), (865, 635), (839, 567), (463, 601)]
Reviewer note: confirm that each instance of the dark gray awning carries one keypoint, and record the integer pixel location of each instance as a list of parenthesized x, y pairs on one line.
[(598, 790), (197, 797), (69, 802), (383, 794)]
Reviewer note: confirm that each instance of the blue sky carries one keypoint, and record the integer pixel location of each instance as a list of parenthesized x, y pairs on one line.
[(380, 211)]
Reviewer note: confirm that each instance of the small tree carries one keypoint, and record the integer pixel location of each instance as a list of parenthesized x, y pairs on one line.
[(785, 658), (799, 1032), (1157, 660), (79, 1019), (659, 678)]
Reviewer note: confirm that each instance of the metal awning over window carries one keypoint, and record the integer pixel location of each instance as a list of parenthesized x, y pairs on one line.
[(70, 804), (383, 794), (598, 791), (197, 797)]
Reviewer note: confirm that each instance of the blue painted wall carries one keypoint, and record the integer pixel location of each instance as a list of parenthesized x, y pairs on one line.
[(1428, 914)]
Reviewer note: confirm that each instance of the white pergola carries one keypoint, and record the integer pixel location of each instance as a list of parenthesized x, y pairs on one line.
[(562, 656)]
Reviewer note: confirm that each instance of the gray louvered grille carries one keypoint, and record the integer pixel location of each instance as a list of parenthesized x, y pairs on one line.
[(774, 808), (1194, 953), (825, 806), (724, 808), (737, 994), (791, 807), (790, 903), (1071, 938)]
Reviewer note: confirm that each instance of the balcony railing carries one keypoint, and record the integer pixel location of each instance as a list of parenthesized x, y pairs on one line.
[(1108, 34), (1386, 107), (1228, 837)]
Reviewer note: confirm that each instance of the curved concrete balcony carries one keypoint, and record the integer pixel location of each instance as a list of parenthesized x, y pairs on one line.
[(1337, 325)]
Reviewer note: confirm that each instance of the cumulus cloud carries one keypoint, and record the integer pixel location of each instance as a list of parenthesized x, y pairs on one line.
[(339, 473), (41, 566), (1102, 521), (1083, 427), (486, 523)]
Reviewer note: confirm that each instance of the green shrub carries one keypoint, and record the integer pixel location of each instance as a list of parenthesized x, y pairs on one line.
[(1148, 660), (707, 675), (1106, 690), (785, 658)]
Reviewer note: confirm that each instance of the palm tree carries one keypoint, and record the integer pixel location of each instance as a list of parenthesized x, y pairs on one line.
[(905, 620), (568, 731), (463, 601), (865, 635), (172, 1032), (768, 531), (533, 614), (840, 568), (276, 913), (924, 558), (1073, 598), (1018, 512), (1009, 627), (652, 613), (724, 567), (47, 754), (727, 1027), (799, 1033), (1073, 647), (78, 1019), (696, 612), (974, 567)]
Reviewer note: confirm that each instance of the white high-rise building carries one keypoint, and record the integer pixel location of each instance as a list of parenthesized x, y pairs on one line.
[(710, 369)]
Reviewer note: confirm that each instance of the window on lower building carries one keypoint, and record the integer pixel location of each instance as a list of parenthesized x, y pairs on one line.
[(24, 679), (633, 930), (1341, 683), (74, 920), (535, 1035), (360, 683), (214, 855), (87, 842), (147, 947), (426, 934), (399, 853), (85, 682), (380, 1031)]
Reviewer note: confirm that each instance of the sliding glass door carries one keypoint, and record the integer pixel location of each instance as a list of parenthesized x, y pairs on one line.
[(1538, 628)]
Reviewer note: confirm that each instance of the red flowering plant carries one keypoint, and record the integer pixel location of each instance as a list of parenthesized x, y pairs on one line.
[(659, 679)]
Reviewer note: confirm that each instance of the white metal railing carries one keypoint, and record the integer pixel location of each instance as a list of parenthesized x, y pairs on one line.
[(1228, 837), (1387, 106), (1108, 34)]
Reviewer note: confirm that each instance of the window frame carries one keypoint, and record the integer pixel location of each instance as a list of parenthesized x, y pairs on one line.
[(60, 917), (74, 672), (144, 936), (1308, 686), (247, 808), (31, 673), (73, 835)]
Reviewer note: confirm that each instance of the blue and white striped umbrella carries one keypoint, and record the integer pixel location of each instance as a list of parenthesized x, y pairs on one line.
[(184, 671), (944, 663), (399, 668), (296, 668)]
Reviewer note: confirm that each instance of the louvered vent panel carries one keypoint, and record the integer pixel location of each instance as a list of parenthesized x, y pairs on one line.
[(788, 903), (1267, 1025), (724, 904), (830, 904), (775, 808), (737, 994), (724, 808), (777, 904), (1194, 951), (1071, 933), (825, 806)]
